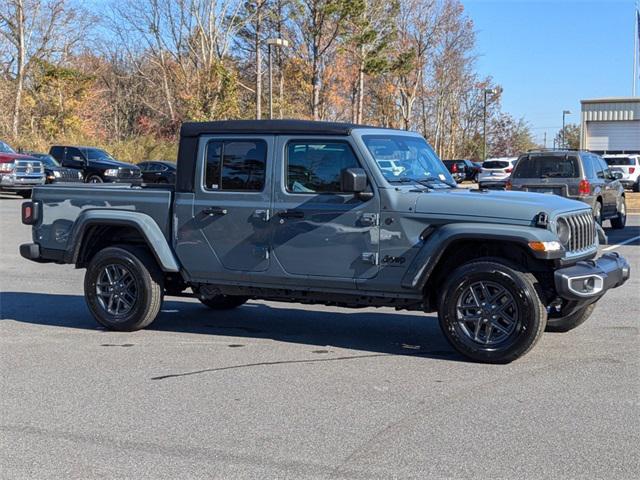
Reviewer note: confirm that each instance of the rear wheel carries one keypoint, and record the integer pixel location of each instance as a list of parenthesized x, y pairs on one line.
[(564, 324), (223, 302), (123, 288), (491, 312), (620, 220)]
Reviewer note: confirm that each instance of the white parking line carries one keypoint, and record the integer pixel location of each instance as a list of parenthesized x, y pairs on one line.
[(628, 240)]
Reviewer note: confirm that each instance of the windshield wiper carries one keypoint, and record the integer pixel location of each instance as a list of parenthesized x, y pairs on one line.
[(429, 180)]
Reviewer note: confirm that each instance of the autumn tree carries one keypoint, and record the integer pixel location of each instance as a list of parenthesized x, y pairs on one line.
[(35, 30), (571, 137)]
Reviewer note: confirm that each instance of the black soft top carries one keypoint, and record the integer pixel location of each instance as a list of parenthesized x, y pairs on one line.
[(276, 127)]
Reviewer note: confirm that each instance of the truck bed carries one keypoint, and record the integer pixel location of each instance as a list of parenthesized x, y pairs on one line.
[(62, 204)]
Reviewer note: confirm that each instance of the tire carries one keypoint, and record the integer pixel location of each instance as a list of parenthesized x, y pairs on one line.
[(94, 179), (518, 301), (475, 178), (564, 324), (636, 186), (223, 302), (25, 194), (145, 278), (597, 212), (619, 221)]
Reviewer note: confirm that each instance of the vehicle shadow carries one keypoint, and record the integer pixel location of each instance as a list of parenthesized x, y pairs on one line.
[(411, 334), (615, 237)]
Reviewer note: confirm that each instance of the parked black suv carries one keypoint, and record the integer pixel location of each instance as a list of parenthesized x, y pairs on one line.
[(54, 172), (575, 174), (96, 165), (157, 171)]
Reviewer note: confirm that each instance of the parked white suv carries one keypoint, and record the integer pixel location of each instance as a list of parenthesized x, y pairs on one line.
[(495, 172), (629, 164), (391, 166)]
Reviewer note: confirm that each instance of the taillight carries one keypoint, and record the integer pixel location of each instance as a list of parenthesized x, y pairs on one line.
[(508, 170), (584, 187), (454, 168), (632, 169), (30, 213), (507, 186)]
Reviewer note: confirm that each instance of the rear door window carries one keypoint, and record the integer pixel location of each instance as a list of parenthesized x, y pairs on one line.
[(622, 161), (236, 165), (548, 166)]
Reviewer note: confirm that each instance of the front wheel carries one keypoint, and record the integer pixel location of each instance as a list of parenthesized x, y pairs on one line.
[(577, 318), (123, 288), (95, 179), (491, 312)]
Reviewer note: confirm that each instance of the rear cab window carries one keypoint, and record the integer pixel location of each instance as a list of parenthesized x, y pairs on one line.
[(620, 161), (547, 166)]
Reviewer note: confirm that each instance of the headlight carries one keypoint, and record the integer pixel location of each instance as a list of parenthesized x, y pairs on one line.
[(6, 167), (563, 231), (80, 175), (56, 174), (111, 172)]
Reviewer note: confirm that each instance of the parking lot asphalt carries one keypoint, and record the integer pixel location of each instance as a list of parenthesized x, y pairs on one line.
[(274, 390)]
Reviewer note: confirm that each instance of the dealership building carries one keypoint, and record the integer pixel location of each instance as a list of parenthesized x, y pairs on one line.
[(610, 125)]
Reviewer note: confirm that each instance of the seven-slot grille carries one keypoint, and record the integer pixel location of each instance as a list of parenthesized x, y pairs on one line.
[(583, 232), (124, 172), (28, 168)]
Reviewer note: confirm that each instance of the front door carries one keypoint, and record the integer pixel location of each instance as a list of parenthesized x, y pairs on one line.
[(224, 225), (320, 231)]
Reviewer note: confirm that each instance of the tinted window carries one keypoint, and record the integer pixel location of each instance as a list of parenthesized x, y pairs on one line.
[(57, 152), (589, 165), (236, 165), (73, 152), (97, 154), (620, 161), (314, 167), (495, 164), (47, 160), (604, 168), (548, 166)]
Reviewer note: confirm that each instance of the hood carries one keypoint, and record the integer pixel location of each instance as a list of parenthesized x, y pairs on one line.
[(496, 204), (111, 164), (10, 157)]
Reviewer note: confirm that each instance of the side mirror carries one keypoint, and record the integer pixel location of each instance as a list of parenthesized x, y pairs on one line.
[(617, 175), (353, 180)]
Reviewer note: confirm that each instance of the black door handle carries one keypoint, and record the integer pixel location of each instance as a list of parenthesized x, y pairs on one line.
[(291, 214), (214, 211)]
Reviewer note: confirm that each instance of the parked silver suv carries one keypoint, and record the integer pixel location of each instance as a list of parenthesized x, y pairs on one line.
[(573, 174)]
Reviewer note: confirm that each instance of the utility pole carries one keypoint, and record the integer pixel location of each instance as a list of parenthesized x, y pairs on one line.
[(487, 91), (278, 42), (545, 139), (564, 114)]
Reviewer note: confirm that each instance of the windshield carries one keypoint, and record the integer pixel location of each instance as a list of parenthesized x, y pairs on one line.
[(412, 157), (620, 161), (547, 166), (47, 160), (4, 148), (97, 154)]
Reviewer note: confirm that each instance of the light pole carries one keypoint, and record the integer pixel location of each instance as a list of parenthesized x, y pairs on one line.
[(564, 114), (487, 91), (279, 42)]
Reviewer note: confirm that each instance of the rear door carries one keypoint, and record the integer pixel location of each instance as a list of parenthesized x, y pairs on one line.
[(223, 227), (320, 231)]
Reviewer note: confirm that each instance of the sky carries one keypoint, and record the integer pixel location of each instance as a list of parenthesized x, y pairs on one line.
[(550, 54)]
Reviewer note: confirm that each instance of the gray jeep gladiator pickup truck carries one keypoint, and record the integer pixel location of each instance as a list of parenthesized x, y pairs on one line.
[(302, 211)]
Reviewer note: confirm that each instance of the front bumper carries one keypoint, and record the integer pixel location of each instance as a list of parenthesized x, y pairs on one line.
[(12, 183), (590, 279)]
